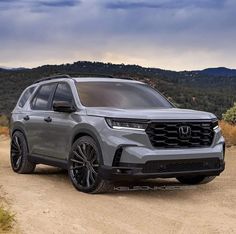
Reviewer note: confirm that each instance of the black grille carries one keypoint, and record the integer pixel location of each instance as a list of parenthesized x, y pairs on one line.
[(167, 134), (181, 165)]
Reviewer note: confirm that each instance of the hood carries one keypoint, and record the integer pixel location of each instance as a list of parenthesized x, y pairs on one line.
[(162, 114)]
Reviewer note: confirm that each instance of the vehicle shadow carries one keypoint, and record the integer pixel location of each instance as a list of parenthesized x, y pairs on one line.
[(145, 187)]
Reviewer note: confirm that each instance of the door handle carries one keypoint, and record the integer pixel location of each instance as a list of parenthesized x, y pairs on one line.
[(26, 118), (48, 119)]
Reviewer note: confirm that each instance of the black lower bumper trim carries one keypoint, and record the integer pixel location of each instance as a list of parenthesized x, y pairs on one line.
[(136, 171)]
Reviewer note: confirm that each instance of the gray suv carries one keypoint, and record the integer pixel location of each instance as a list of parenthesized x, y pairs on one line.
[(105, 129)]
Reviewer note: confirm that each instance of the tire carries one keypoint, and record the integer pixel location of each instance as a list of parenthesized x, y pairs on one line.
[(19, 155), (83, 167), (195, 180)]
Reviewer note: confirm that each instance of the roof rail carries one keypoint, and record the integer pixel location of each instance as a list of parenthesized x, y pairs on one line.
[(77, 75), (52, 77), (100, 75)]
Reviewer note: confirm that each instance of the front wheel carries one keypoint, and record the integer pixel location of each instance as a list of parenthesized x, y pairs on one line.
[(193, 180), (84, 167)]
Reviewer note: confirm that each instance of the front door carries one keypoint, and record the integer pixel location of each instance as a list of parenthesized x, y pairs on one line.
[(60, 127)]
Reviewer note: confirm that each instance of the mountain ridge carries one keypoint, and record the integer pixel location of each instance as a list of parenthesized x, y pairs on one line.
[(214, 71), (187, 89)]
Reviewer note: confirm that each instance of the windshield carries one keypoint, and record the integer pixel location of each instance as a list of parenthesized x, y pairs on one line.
[(123, 95)]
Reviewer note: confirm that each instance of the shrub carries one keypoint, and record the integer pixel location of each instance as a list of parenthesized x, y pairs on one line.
[(229, 133), (4, 120), (6, 220), (230, 115)]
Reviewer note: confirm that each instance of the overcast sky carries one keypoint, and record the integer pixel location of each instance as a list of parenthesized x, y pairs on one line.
[(170, 34)]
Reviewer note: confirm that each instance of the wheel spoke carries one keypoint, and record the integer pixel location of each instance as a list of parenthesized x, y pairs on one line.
[(87, 179), (78, 156), (17, 143), (84, 149), (92, 169), (76, 167), (14, 145), (81, 152), (76, 161), (18, 161)]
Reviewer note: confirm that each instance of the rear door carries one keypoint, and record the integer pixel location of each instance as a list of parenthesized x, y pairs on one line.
[(38, 122)]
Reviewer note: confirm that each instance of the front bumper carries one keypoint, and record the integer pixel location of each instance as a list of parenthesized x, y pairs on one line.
[(130, 155), (163, 169)]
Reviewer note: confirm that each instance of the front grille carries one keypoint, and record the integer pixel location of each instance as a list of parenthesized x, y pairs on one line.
[(167, 134), (181, 165)]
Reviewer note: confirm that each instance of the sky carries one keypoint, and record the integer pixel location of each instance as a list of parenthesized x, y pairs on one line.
[(168, 34)]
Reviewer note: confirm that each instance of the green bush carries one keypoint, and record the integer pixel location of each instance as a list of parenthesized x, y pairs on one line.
[(4, 120), (230, 115)]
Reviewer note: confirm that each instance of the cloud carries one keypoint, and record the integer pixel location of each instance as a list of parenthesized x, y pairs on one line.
[(171, 4), (59, 3), (36, 4), (180, 34)]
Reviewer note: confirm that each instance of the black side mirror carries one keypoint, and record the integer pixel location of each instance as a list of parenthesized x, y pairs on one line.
[(63, 106)]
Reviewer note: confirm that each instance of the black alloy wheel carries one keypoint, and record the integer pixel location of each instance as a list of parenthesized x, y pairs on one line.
[(84, 166), (16, 152), (19, 154)]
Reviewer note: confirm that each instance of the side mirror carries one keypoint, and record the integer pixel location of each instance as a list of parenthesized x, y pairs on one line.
[(63, 106)]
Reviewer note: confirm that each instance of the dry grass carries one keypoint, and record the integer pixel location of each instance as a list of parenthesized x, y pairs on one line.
[(6, 220), (4, 131), (229, 133)]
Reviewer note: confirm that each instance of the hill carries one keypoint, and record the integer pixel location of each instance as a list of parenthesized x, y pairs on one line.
[(187, 89), (219, 71)]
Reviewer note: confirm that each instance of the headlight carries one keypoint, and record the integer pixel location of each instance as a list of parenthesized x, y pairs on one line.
[(128, 124), (215, 124)]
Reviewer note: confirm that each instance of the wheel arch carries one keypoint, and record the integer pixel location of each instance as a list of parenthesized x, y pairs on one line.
[(19, 129)]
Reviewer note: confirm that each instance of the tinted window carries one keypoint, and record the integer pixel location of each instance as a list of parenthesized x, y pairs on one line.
[(42, 98), (26, 96), (124, 95), (63, 93)]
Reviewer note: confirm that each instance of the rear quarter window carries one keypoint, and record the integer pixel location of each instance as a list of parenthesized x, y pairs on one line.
[(26, 95)]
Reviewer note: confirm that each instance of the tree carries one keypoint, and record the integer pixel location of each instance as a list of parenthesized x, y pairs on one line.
[(230, 115)]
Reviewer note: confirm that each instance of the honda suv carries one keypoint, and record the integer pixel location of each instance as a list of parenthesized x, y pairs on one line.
[(107, 129)]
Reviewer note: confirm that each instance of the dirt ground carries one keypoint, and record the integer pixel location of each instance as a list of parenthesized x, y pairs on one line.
[(46, 202)]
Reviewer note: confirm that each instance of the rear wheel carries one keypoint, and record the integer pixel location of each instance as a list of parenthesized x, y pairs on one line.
[(195, 179), (19, 155), (84, 167)]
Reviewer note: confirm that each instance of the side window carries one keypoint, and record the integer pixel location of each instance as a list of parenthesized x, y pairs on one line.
[(63, 93), (42, 99), (26, 96)]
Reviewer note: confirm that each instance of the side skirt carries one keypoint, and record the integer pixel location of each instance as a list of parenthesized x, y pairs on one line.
[(55, 162)]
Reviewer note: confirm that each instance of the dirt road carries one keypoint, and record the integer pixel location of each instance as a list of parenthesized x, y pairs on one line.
[(46, 202)]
